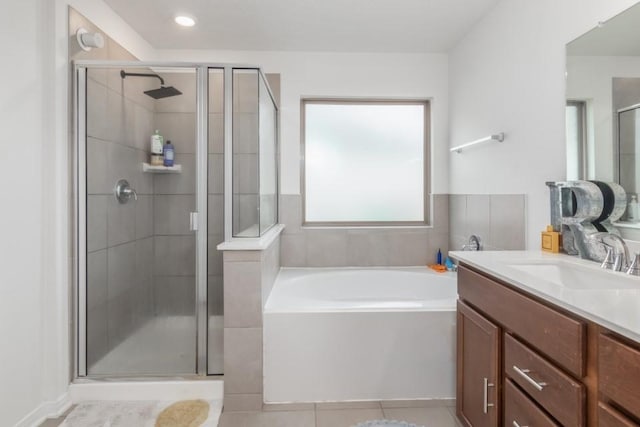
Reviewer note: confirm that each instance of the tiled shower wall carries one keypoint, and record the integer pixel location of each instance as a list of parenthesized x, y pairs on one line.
[(339, 247), (498, 220), (173, 199), (119, 236)]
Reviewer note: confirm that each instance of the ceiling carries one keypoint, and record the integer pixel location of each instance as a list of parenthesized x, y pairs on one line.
[(305, 25), (616, 37)]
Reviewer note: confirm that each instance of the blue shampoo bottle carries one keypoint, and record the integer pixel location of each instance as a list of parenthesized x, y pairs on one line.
[(169, 154)]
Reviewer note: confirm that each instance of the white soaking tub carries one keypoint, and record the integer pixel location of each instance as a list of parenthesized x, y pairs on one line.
[(347, 334)]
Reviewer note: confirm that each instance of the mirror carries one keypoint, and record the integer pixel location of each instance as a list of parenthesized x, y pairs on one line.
[(603, 105)]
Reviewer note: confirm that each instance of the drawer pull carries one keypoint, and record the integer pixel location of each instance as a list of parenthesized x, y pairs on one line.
[(515, 424), (523, 373), (485, 397)]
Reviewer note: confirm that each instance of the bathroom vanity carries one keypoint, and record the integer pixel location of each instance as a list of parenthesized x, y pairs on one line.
[(546, 340)]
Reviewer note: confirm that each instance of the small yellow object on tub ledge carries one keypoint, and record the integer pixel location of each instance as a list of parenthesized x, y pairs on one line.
[(551, 240)]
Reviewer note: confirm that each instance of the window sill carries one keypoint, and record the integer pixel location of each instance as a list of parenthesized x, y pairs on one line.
[(367, 227)]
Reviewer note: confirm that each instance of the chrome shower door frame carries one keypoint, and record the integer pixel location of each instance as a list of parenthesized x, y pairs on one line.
[(80, 203)]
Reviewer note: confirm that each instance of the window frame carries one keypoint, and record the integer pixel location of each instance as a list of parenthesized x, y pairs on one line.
[(426, 103)]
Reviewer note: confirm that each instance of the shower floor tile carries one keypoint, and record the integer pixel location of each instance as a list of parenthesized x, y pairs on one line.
[(162, 346)]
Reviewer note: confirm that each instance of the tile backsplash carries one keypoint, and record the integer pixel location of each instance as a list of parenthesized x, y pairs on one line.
[(340, 247), (497, 219)]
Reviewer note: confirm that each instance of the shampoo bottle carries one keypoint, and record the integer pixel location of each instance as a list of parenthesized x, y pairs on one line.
[(169, 154), (156, 148), (439, 258)]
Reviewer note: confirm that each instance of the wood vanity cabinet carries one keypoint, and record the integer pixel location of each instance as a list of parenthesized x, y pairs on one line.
[(478, 368), (618, 380), (543, 366)]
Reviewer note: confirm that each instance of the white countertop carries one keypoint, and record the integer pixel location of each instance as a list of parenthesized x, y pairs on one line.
[(610, 299)]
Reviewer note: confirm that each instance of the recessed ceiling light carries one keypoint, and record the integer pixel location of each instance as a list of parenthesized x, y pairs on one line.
[(185, 21)]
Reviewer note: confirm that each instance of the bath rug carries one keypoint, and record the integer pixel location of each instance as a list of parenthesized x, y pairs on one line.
[(386, 423), (136, 413), (187, 413)]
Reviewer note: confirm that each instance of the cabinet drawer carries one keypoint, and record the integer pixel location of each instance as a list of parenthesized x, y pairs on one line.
[(520, 411), (562, 396), (619, 373), (560, 337), (609, 417)]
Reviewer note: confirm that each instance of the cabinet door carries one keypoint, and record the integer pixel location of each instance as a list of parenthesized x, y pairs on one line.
[(477, 369)]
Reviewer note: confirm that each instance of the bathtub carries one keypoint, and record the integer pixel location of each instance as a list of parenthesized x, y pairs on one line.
[(350, 334)]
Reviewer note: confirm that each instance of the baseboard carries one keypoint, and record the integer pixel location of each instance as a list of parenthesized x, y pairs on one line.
[(49, 409)]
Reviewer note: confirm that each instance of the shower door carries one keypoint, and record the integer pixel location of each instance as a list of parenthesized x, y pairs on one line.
[(628, 148), (145, 247)]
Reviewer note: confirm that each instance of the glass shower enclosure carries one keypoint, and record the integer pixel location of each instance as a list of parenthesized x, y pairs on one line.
[(628, 148), (149, 279)]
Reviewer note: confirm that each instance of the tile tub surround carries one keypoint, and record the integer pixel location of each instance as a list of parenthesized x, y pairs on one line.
[(366, 246), (248, 279), (498, 219)]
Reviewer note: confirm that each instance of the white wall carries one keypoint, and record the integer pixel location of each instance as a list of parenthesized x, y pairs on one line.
[(23, 273), (507, 75), (35, 278), (110, 22), (344, 75), (589, 78)]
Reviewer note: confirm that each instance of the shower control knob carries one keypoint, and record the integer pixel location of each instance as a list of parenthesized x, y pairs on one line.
[(123, 191)]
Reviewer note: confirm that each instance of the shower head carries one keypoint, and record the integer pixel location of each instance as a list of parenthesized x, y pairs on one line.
[(162, 92)]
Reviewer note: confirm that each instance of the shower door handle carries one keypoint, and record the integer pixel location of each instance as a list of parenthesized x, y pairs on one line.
[(193, 221)]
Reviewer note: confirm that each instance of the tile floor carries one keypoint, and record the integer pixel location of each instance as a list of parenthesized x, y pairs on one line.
[(428, 414)]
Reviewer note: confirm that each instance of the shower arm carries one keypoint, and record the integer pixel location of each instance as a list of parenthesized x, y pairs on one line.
[(124, 74)]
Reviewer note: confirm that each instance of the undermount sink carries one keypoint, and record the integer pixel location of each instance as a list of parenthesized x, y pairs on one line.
[(572, 276)]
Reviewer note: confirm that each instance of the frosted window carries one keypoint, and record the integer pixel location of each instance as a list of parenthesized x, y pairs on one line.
[(364, 162)]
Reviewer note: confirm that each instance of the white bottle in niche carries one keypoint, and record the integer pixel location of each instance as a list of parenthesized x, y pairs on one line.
[(632, 209), (157, 142)]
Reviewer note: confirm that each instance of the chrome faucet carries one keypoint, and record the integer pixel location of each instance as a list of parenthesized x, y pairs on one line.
[(634, 266), (617, 258)]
